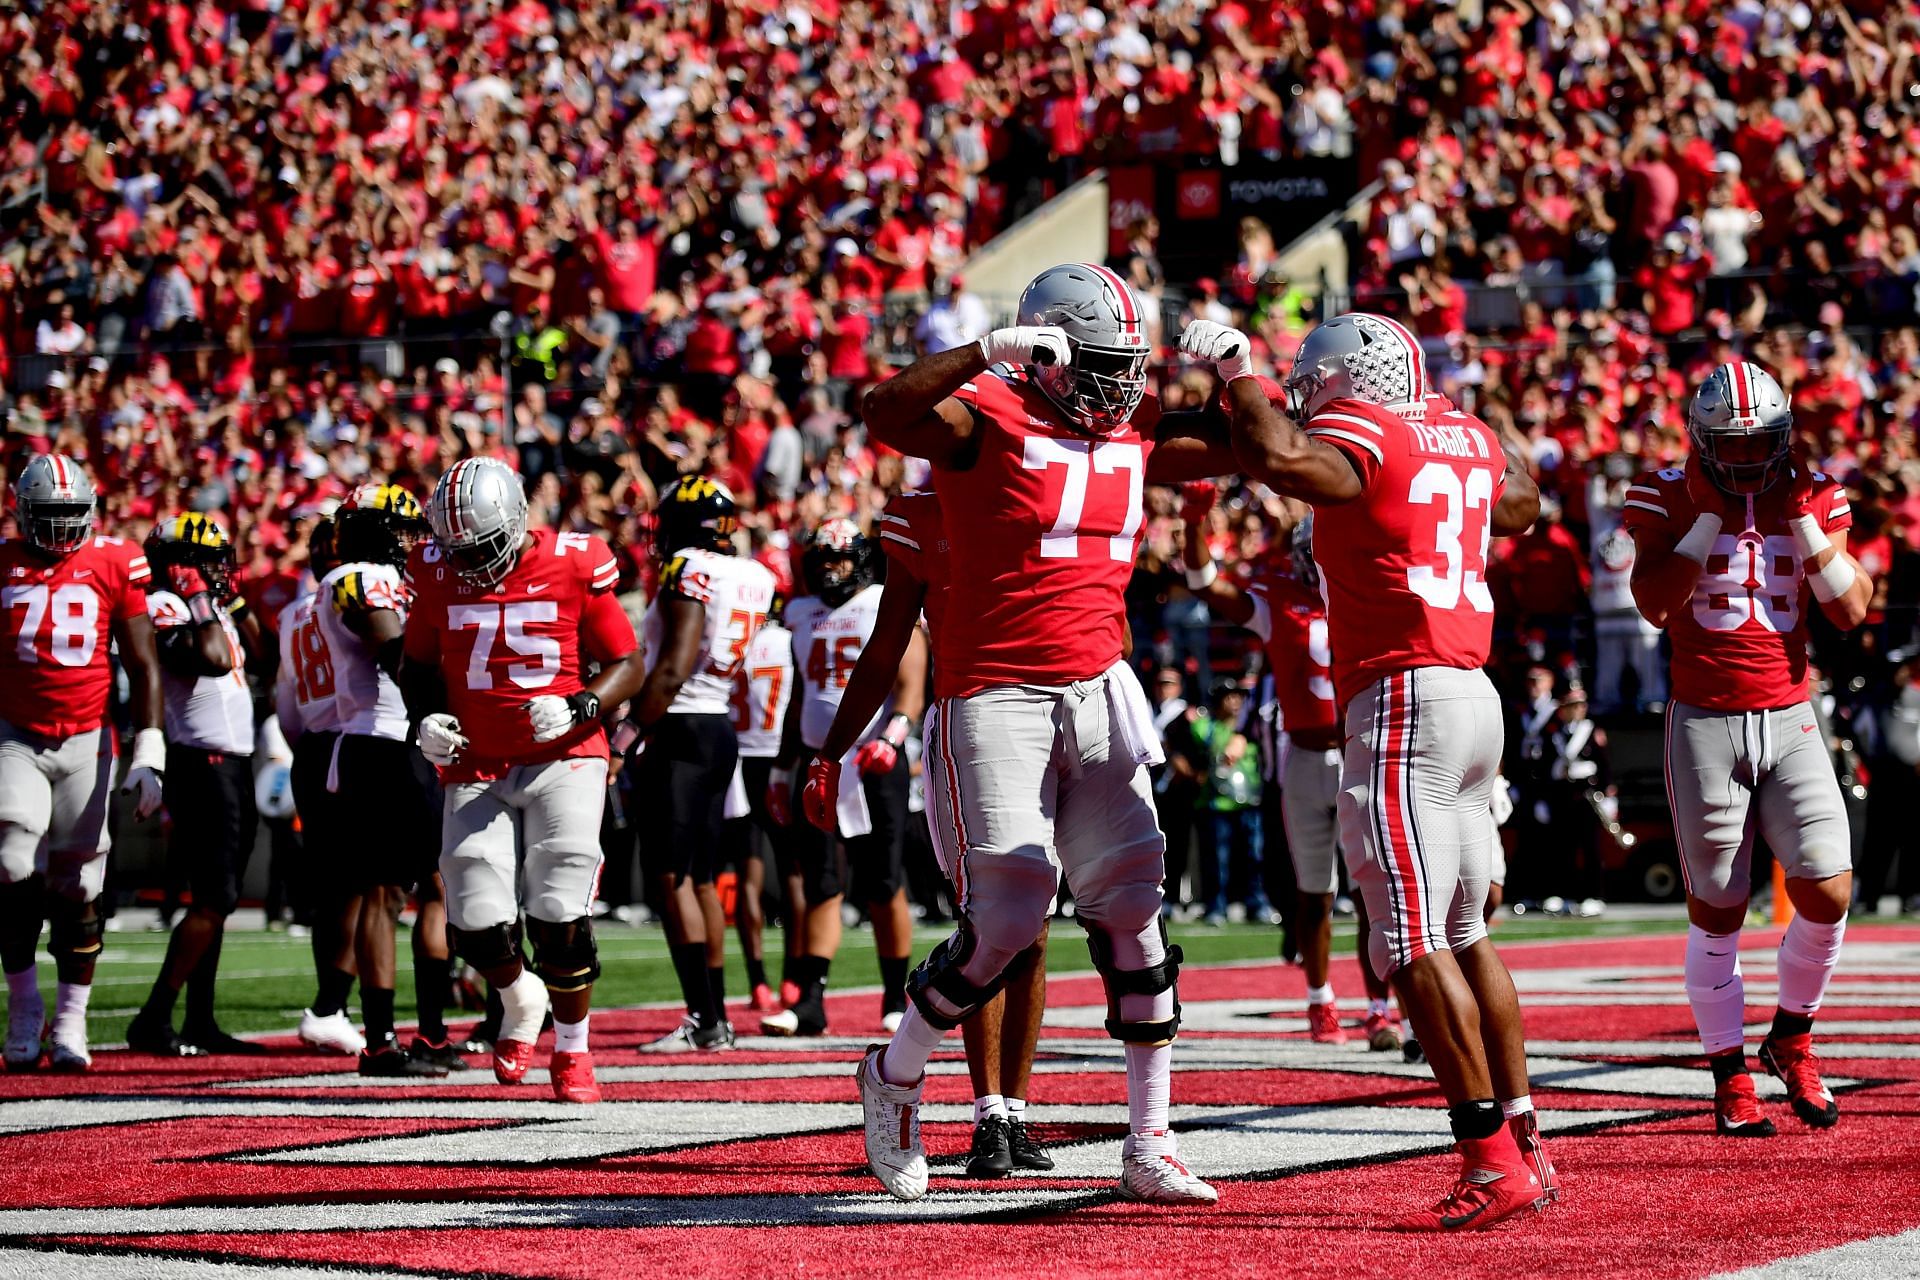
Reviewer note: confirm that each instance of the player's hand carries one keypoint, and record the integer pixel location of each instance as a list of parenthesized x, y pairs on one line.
[(145, 766), (441, 741), (1800, 491), (1196, 501), (878, 756), (1703, 493), (821, 797), (1226, 349), (553, 716), (780, 796), (186, 581), (1041, 344)]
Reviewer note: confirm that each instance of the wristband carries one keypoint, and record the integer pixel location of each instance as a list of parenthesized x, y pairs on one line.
[(149, 750), (896, 730), (585, 706), (200, 608), (1202, 578), (1698, 544), (1808, 537)]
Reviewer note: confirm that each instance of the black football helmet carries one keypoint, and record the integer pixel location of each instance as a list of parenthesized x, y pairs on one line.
[(698, 512), (379, 524), (194, 541), (835, 544)]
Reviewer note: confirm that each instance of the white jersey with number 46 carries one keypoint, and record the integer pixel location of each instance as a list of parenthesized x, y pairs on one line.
[(827, 643), (736, 594)]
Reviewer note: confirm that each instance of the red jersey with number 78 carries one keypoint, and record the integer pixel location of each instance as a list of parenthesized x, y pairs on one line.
[(1041, 532), (56, 631), (498, 648), (1404, 566)]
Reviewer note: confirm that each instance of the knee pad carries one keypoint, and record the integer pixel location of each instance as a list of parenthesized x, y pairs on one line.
[(488, 948), (564, 955), (941, 990), (1153, 980), (75, 931)]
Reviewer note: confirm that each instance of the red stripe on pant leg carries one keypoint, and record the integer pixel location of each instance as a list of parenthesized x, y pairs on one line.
[(1673, 807), (1401, 851), (953, 804)]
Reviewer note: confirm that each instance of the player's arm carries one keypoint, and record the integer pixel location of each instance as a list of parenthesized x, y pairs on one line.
[(423, 685), (882, 668), (916, 411), (684, 626), (605, 637), (1519, 504), (371, 613), (1269, 446), (1667, 568), (194, 645), (1224, 600), (1192, 445), (1843, 588), (148, 759)]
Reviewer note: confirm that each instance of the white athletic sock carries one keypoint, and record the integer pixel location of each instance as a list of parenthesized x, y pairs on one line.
[(988, 1104), (905, 1059), (1517, 1106), (1149, 1085), (1715, 989), (70, 1011), (524, 1001), (24, 985), (1808, 953), (1321, 994), (1378, 1009), (1016, 1108), (569, 1037)]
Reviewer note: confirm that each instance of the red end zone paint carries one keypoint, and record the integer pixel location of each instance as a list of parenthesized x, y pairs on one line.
[(750, 1163)]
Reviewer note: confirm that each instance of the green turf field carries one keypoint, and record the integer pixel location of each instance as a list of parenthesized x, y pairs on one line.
[(266, 978)]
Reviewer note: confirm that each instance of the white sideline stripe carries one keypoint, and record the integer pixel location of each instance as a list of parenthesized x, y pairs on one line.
[(60, 1265), (1882, 1258)]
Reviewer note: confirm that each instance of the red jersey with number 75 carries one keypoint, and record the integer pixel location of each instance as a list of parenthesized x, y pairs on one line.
[(1404, 566), (497, 648), (1041, 532), (56, 631)]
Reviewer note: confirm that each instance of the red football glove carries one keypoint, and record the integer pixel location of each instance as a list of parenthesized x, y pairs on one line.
[(878, 756), (780, 797), (1198, 497), (1800, 491), (186, 580), (1706, 497), (821, 797)]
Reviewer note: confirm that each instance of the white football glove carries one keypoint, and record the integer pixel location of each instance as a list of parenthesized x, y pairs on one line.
[(553, 716), (1026, 344), (1227, 350), (144, 767), (441, 741)]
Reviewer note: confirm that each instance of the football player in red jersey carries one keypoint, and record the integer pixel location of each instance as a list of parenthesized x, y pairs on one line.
[(1406, 490), (504, 621), (1744, 750), (1002, 1034), (1044, 435), (1285, 610), (65, 597)]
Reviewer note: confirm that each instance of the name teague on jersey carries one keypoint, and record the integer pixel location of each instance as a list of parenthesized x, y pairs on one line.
[(55, 669), (736, 595), (499, 646)]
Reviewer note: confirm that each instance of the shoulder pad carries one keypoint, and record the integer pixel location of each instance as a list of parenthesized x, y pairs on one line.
[(686, 578)]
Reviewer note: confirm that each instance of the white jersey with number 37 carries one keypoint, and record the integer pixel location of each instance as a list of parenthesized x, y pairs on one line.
[(763, 690), (736, 594)]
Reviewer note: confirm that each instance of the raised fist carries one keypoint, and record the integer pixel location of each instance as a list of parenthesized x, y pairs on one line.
[(1025, 345), (1227, 350), (1196, 501)]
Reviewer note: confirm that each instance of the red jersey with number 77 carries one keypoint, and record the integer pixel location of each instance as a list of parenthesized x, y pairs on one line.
[(1404, 566), (497, 648), (56, 631), (1041, 533)]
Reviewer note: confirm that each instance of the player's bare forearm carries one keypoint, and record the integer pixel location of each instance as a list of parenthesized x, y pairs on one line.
[(1662, 583), (422, 687), (619, 681), (385, 634), (915, 412), (881, 664), (1272, 449), (910, 685), (686, 623), (1848, 609), (1519, 505), (142, 661), (1194, 445)]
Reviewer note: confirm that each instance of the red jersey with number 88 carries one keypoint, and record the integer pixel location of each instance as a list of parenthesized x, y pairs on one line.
[(1404, 566), (529, 635), (56, 631), (1041, 531)]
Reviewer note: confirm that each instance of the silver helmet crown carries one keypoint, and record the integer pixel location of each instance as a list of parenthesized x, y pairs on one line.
[(55, 499), (1741, 410), (1357, 356), (1104, 380), (478, 513)]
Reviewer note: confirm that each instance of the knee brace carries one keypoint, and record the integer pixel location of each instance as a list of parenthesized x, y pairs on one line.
[(1150, 981), (75, 930), (944, 994), (488, 948), (564, 955)]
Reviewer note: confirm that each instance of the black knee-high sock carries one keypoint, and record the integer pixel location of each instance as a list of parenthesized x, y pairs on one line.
[(893, 983), (432, 993), (376, 1005), (201, 981), (717, 990), (690, 966), (331, 997), (756, 972), (810, 972)]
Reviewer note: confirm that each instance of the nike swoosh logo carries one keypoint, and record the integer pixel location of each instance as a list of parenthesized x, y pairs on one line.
[(535, 588), (1807, 728), (83, 573), (1463, 1219)]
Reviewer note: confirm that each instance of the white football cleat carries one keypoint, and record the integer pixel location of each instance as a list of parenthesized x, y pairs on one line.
[(1152, 1173), (783, 1022), (26, 1023), (67, 1052), (894, 1152), (891, 1021), (335, 1033)]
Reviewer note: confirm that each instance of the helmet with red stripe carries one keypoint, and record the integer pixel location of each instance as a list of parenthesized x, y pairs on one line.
[(1102, 384), (1357, 356), (1741, 426), (478, 513), (838, 561), (54, 497)]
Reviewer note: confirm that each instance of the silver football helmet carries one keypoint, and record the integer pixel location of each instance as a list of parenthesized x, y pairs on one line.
[(1300, 549), (1101, 386), (1741, 427), (55, 502), (1357, 356), (478, 513)]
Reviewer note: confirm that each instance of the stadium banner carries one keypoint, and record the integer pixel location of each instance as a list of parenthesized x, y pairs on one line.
[(1200, 205)]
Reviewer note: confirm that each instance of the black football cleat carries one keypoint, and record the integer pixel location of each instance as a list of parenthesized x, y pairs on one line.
[(992, 1154), (1027, 1154), (214, 1040), (443, 1054), (1411, 1051), (156, 1036), (389, 1062)]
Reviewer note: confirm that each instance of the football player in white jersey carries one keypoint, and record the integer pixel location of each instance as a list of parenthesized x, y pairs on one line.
[(830, 631), (203, 630), (762, 692), (709, 605), (362, 611)]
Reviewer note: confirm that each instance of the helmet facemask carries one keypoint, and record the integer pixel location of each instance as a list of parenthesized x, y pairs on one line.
[(836, 580), (57, 528), (1100, 388), (1746, 462), (485, 561)]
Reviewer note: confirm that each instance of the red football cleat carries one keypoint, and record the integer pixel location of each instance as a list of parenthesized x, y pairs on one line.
[(1382, 1032), (572, 1075), (1323, 1024), (1495, 1183), (511, 1058), (763, 1000), (1792, 1061), (1736, 1109), (789, 994), (1525, 1129)]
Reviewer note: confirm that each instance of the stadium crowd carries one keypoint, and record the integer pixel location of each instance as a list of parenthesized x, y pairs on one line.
[(251, 256)]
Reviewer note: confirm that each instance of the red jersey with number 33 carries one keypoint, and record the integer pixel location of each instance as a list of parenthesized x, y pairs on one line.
[(56, 631), (1042, 530), (1404, 566), (1741, 642), (529, 635)]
